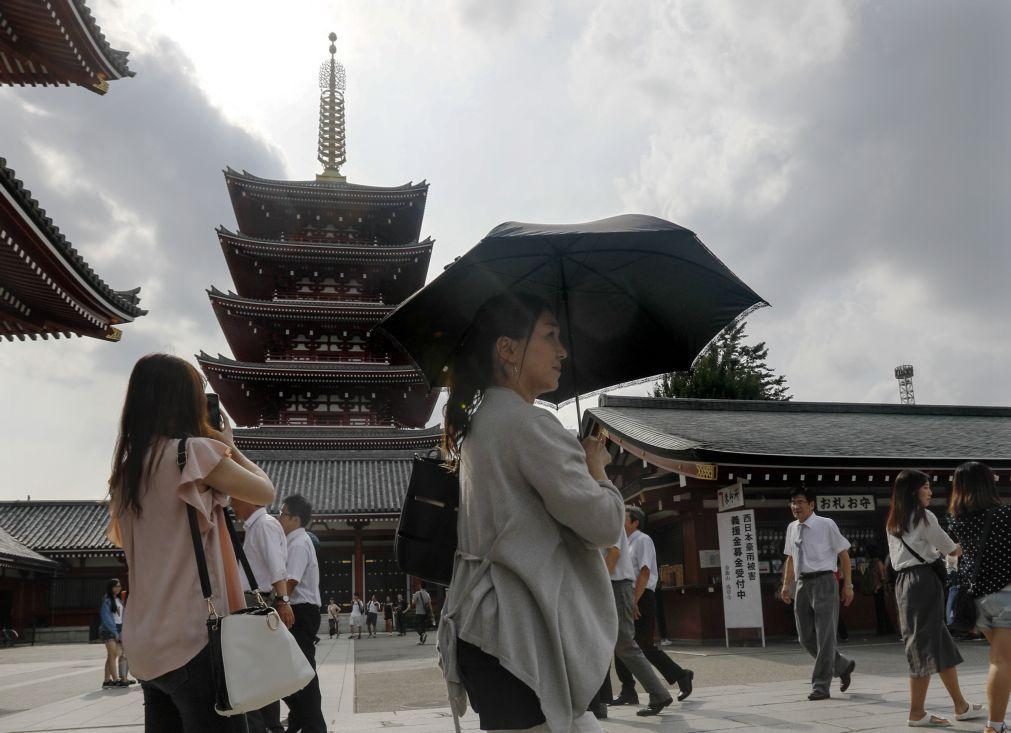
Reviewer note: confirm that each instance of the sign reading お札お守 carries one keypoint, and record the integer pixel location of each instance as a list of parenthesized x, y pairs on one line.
[(846, 503)]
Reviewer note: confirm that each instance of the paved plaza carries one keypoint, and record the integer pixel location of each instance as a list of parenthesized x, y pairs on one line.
[(391, 682)]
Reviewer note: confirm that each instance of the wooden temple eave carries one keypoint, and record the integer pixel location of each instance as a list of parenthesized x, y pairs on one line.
[(56, 43), (299, 310), (312, 372), (414, 253)]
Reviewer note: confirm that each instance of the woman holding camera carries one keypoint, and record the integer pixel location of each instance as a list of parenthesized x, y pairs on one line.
[(977, 510), (164, 629), (535, 506), (915, 543)]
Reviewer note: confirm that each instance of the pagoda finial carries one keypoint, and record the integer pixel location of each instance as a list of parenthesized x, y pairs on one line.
[(332, 134)]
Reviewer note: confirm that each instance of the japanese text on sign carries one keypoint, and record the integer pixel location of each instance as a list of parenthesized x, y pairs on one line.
[(730, 497), (742, 599), (846, 503)]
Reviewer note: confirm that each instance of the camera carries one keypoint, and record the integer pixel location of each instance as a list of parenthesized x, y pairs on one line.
[(214, 418)]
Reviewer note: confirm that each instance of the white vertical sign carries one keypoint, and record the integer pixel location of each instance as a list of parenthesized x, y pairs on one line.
[(742, 597)]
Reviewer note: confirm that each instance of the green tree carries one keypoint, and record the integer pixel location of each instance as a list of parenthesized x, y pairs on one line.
[(728, 370)]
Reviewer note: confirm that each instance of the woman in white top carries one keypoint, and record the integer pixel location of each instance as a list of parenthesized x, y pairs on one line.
[(357, 619), (915, 541), (535, 507)]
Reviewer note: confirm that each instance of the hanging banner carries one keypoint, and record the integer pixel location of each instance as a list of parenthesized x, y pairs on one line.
[(742, 596), (730, 497)]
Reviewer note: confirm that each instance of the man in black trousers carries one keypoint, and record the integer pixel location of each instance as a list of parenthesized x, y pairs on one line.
[(643, 554), (305, 711)]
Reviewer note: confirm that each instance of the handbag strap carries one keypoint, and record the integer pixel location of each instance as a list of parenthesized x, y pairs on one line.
[(198, 545), (913, 552)]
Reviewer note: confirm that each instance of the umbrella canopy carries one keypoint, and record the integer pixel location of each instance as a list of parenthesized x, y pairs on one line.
[(636, 296)]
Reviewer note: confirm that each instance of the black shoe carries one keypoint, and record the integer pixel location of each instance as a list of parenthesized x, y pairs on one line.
[(423, 637), (846, 677), (819, 695), (654, 708), (685, 685), (599, 710), (626, 698), (109, 683)]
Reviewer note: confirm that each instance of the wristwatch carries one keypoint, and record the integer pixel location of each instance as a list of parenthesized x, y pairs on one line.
[(282, 599)]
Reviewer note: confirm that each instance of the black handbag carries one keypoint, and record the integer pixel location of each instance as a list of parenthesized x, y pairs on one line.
[(939, 566), (963, 608), (426, 541)]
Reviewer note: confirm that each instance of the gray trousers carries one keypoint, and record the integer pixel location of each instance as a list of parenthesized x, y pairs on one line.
[(628, 651), (816, 609)]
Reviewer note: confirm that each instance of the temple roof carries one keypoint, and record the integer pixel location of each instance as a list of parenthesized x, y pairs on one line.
[(294, 441), (774, 433), (299, 310), (311, 371), (18, 555), (46, 286), (314, 251), (271, 209), (56, 42), (57, 528)]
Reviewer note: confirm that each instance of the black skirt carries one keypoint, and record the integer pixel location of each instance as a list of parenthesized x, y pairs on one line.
[(498, 697)]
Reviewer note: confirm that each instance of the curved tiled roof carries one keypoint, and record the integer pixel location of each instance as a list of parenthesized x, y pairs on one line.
[(327, 185), (53, 526), (116, 59), (13, 552), (126, 301), (314, 369)]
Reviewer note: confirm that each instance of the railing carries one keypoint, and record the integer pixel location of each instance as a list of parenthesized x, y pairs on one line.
[(344, 357), (370, 298), (332, 419)]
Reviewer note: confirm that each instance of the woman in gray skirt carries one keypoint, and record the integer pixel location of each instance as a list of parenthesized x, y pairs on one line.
[(915, 540)]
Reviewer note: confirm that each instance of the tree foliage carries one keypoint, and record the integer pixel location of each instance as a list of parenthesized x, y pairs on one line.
[(728, 370)]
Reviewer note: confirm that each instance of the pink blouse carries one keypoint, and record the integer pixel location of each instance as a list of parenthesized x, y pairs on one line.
[(164, 624)]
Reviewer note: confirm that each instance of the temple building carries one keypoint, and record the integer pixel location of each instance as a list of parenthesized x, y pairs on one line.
[(329, 408), (56, 43), (46, 287), (675, 457)]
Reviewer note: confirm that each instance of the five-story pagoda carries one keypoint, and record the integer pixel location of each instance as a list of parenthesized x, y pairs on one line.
[(332, 409)]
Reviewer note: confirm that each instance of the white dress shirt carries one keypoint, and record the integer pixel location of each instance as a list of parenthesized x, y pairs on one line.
[(643, 553), (624, 568), (303, 567), (817, 543), (266, 549), (927, 538)]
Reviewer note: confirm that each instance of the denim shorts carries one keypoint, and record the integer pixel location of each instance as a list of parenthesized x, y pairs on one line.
[(994, 610)]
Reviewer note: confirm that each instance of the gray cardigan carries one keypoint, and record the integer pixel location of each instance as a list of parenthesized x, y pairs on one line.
[(529, 584)]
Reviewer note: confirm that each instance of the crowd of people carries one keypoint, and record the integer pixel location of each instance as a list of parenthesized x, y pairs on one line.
[(541, 530)]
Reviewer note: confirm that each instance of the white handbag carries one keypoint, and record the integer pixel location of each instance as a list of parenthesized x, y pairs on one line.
[(240, 642)]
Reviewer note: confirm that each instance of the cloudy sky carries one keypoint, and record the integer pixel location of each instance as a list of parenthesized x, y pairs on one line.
[(849, 160)]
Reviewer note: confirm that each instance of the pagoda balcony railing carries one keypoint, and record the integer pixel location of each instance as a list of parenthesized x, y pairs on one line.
[(332, 419), (324, 237), (365, 298), (345, 357)]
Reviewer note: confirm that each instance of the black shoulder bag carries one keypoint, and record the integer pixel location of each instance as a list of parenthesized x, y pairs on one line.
[(426, 540), (939, 566), (963, 610)]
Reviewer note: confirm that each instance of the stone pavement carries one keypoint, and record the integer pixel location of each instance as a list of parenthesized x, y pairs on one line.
[(875, 702)]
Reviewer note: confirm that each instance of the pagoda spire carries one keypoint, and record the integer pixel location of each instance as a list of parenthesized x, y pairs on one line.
[(332, 133)]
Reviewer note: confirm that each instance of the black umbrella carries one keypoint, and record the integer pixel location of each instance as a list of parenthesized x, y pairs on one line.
[(636, 296)]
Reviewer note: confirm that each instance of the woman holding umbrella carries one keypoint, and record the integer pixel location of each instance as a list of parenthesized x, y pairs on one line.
[(535, 506)]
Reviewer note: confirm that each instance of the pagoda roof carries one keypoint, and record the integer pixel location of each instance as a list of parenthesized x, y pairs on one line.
[(46, 287), (269, 208), (798, 434), (290, 251), (299, 310), (292, 442), (57, 42), (58, 528), (17, 555), (311, 371)]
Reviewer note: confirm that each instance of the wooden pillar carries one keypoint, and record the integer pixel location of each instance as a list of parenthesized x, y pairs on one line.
[(359, 558)]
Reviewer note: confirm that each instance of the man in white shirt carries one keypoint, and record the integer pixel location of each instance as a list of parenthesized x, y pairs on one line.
[(619, 564), (643, 555), (814, 548), (305, 706), (266, 549)]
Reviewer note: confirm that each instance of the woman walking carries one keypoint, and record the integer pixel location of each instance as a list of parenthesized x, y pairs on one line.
[(388, 615), (333, 618), (165, 631), (357, 617), (535, 507), (372, 616), (915, 542), (110, 632), (976, 508)]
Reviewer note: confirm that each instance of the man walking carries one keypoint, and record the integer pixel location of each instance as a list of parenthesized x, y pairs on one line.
[(266, 549), (643, 554), (305, 706), (619, 564), (814, 549), (422, 603)]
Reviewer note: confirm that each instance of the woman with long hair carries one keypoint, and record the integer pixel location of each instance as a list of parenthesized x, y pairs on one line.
[(110, 628), (535, 507), (164, 629), (915, 541), (975, 504)]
